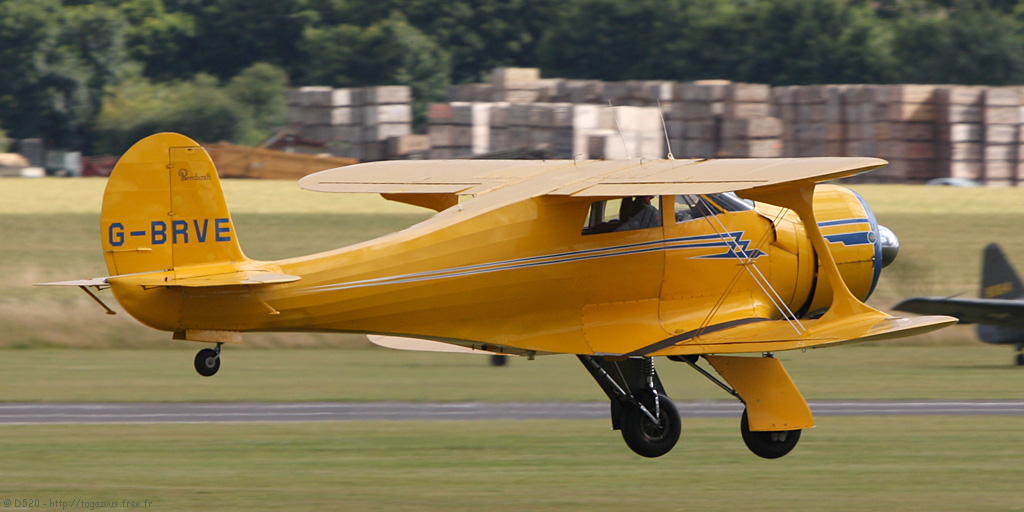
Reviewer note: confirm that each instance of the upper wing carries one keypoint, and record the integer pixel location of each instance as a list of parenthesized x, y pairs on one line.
[(1008, 313), (589, 178)]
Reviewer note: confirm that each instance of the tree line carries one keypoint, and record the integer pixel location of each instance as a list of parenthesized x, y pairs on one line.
[(96, 75)]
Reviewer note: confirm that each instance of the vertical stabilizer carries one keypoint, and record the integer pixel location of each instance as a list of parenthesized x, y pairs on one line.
[(163, 208), (998, 278)]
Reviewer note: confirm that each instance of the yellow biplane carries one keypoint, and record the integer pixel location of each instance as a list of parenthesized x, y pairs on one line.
[(616, 262)]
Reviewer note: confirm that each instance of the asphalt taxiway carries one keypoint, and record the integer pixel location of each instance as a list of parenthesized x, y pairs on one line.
[(277, 412)]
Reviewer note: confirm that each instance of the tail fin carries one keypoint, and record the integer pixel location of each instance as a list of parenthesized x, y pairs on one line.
[(999, 281), (164, 208), (998, 278)]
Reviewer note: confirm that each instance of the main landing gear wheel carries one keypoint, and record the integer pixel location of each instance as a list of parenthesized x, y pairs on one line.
[(645, 436), (1020, 359), (769, 445), (208, 361)]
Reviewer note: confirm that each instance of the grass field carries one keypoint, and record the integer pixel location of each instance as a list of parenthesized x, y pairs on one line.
[(880, 371), (846, 464)]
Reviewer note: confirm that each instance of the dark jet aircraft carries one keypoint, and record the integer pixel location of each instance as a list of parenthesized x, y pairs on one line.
[(999, 312)]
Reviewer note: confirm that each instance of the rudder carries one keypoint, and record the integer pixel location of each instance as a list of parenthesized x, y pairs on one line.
[(163, 208)]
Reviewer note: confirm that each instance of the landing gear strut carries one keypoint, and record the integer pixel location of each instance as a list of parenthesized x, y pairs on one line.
[(766, 444), (208, 361), (648, 419)]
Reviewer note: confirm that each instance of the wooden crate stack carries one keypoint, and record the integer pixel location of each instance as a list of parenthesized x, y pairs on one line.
[(473, 126), (627, 132), (517, 126), (326, 115), (571, 125), (837, 129), (460, 129), (386, 111), (520, 85), (443, 142), (809, 130), (960, 138), (1001, 122), (701, 105), (408, 147), (581, 91), (905, 131), (351, 122), (858, 121), (469, 93), (747, 130)]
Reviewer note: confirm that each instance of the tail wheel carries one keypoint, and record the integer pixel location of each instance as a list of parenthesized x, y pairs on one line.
[(769, 445), (207, 362), (646, 437)]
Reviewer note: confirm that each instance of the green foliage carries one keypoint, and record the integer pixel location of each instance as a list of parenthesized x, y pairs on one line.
[(158, 39), (389, 52), (606, 49), (811, 41), (62, 57), (198, 107), (56, 62), (966, 45), (232, 34), (261, 90)]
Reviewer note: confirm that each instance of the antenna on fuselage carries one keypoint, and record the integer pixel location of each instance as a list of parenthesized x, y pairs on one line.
[(621, 136), (664, 129)]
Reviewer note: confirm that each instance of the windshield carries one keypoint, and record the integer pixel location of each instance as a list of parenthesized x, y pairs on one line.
[(689, 207), (730, 202)]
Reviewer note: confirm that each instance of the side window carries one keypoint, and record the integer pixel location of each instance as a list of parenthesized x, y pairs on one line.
[(624, 214), (692, 207)]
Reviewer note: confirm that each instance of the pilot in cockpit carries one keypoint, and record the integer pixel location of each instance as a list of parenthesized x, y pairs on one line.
[(638, 213)]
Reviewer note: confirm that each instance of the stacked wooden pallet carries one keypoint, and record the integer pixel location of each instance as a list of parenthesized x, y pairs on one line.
[(1000, 124), (352, 122)]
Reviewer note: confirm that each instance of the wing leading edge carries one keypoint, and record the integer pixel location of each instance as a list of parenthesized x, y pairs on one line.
[(780, 335)]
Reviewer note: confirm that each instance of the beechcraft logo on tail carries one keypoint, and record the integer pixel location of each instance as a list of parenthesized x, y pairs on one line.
[(176, 232), (186, 176)]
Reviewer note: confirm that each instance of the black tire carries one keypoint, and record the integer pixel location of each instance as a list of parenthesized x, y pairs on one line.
[(207, 362), (1020, 359), (645, 437), (768, 445), (498, 360)]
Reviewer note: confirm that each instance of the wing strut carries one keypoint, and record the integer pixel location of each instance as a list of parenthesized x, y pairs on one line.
[(97, 299), (747, 262), (800, 199), (100, 283)]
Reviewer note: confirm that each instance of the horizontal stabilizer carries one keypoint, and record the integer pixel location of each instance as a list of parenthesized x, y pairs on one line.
[(98, 281), (241, 277)]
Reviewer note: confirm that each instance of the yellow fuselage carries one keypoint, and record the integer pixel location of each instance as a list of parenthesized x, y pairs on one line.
[(524, 278)]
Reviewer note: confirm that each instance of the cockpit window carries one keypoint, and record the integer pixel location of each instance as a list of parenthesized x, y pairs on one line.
[(690, 207), (730, 202), (628, 213), (693, 207)]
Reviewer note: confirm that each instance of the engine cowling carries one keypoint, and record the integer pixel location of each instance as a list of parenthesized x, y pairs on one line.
[(860, 246)]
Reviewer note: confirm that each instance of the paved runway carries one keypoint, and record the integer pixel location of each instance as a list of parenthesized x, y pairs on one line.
[(78, 413)]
